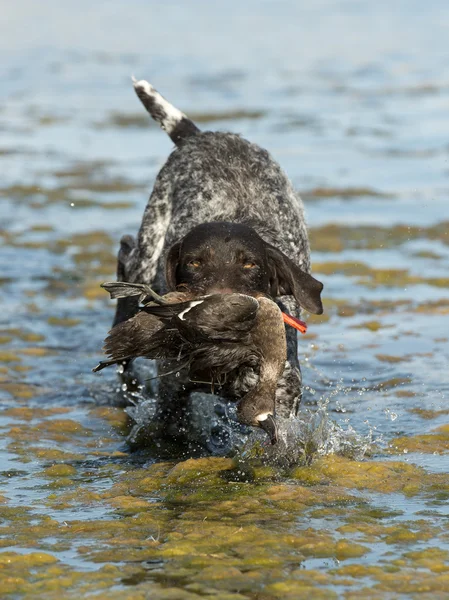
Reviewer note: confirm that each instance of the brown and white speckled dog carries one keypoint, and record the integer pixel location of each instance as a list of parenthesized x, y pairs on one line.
[(222, 217)]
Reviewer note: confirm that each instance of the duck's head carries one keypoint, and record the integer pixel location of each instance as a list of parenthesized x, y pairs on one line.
[(223, 257), (257, 410)]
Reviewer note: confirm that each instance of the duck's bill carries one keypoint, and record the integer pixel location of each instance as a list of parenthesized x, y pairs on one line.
[(268, 424), (294, 322)]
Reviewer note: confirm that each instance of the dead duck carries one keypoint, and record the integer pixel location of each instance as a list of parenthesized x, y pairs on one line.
[(179, 327), (214, 334)]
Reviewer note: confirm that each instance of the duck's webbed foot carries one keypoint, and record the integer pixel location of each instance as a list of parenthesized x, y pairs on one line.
[(108, 363), (123, 289)]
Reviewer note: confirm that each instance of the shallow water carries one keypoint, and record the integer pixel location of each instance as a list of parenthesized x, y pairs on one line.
[(352, 99)]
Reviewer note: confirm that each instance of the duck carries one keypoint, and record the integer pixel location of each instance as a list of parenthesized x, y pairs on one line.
[(214, 334), (177, 326)]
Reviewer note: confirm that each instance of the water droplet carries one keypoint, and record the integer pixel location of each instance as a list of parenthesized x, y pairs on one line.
[(124, 387), (120, 369), (389, 413), (72, 204)]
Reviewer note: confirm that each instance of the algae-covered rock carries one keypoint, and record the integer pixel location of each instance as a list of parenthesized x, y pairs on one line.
[(383, 477), (199, 471), (60, 470), (435, 442)]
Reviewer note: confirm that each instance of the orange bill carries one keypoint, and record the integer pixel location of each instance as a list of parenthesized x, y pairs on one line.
[(294, 322)]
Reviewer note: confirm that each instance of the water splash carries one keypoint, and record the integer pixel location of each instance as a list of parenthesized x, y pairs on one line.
[(308, 436), (142, 414), (390, 414), (210, 423)]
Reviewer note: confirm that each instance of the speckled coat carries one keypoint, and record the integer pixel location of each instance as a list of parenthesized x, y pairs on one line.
[(213, 176)]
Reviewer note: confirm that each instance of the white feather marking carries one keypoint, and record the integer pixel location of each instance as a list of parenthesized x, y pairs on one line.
[(263, 416), (173, 114), (186, 310)]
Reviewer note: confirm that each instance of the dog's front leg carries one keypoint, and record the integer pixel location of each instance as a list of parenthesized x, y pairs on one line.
[(172, 405)]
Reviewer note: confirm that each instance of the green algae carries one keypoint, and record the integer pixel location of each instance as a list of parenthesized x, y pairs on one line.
[(9, 357), (36, 351), (214, 527), (374, 277), (210, 528), (28, 413), (427, 413), (391, 359), (234, 540), (59, 471), (335, 238), (428, 254), (372, 326), (345, 268), (20, 391), (39, 196), (63, 321), (384, 477), (347, 193), (139, 120), (23, 335), (436, 442), (218, 530)]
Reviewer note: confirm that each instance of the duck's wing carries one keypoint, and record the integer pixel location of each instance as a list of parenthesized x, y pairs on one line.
[(163, 345), (224, 316), (217, 316), (168, 311), (223, 357), (132, 337), (142, 335)]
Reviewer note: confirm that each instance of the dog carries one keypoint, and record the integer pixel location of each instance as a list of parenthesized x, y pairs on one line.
[(222, 218)]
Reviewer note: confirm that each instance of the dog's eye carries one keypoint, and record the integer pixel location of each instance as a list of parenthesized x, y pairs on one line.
[(249, 265), (194, 264)]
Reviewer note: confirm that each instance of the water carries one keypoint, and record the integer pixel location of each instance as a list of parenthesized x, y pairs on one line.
[(351, 98)]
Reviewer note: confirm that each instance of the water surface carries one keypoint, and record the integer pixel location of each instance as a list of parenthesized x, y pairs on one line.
[(352, 99)]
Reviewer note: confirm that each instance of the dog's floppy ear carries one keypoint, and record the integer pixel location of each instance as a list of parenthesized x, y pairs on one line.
[(287, 278), (171, 265)]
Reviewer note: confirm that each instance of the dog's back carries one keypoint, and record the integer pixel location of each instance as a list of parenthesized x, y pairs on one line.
[(213, 176)]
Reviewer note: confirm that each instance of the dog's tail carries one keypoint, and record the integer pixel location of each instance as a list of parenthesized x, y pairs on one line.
[(172, 120)]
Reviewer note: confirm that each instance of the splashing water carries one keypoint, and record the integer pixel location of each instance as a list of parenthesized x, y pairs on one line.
[(310, 435), (210, 423)]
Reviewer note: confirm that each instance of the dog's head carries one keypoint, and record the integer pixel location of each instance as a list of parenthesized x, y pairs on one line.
[(231, 257)]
